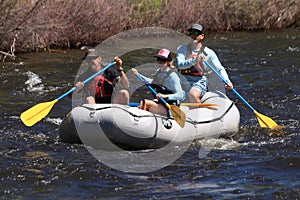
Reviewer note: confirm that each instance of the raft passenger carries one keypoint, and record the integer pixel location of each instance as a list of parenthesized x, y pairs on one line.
[(166, 82), (100, 89), (189, 60)]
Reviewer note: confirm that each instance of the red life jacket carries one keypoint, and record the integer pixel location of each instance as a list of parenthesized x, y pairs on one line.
[(197, 70), (101, 87)]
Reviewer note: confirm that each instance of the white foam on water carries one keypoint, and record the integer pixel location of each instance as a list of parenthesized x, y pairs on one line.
[(270, 141), (293, 49), (56, 121), (51, 89), (219, 143), (14, 117), (34, 83)]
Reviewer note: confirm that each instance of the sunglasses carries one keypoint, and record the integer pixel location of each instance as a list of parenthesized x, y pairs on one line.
[(161, 60), (195, 32)]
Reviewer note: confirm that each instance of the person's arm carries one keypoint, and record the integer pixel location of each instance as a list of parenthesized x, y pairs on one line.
[(182, 62), (214, 61), (173, 82), (123, 80), (79, 85), (135, 71)]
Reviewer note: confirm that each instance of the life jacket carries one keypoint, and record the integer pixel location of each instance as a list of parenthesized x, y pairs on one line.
[(164, 90), (159, 80), (161, 89), (197, 70), (158, 85), (101, 87)]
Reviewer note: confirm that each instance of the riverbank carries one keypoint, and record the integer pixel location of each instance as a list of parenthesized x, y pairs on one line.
[(37, 25)]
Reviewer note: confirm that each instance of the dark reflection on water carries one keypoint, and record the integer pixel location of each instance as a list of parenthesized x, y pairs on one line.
[(35, 164)]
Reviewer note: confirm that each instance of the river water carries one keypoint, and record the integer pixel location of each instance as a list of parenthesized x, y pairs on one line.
[(265, 68)]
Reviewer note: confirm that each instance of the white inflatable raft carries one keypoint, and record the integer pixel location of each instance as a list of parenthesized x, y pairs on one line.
[(113, 126)]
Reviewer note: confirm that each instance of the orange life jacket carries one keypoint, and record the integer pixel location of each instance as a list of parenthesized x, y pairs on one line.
[(197, 70), (101, 87)]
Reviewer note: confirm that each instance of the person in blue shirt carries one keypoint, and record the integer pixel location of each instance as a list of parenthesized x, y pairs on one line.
[(190, 63), (166, 82)]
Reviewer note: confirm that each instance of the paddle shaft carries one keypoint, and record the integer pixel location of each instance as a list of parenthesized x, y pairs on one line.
[(264, 121), (86, 81), (151, 89), (178, 115), (226, 82), (183, 104)]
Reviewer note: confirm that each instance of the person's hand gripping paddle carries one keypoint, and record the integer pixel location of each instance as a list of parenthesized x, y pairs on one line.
[(39, 111), (178, 115)]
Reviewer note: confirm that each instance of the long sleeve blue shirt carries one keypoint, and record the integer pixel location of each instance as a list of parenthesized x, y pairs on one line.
[(211, 58), (172, 82)]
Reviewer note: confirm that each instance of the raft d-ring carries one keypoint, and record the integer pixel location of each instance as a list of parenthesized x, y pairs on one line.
[(92, 113), (92, 118), (136, 120)]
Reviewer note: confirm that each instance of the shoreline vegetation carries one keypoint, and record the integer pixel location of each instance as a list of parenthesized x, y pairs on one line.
[(41, 25)]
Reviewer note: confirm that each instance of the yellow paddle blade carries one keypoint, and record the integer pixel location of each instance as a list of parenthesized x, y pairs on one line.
[(199, 104), (178, 115), (36, 113), (267, 122)]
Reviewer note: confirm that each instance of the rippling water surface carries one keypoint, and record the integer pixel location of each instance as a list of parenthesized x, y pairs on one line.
[(265, 68)]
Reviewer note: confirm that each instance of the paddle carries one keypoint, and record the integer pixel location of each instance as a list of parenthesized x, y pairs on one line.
[(183, 104), (39, 111), (178, 115), (199, 104), (264, 121)]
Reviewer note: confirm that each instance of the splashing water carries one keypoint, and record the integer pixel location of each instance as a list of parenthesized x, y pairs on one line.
[(34, 83), (56, 121), (219, 143)]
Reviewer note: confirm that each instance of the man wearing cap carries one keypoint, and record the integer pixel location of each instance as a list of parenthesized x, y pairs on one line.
[(100, 89), (190, 63)]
